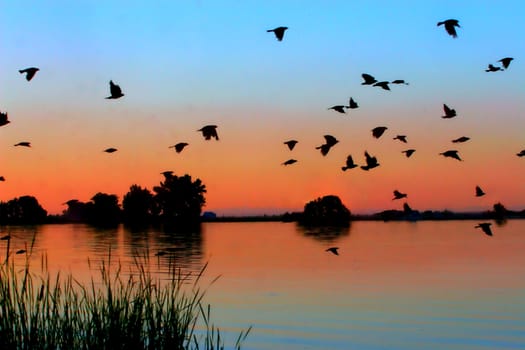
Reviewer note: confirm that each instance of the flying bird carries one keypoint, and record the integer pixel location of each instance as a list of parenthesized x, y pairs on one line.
[(506, 61), (368, 79), (179, 146), (399, 195), (383, 85), (352, 104), (401, 138), (521, 153), (333, 250), (450, 25), (492, 68), (279, 32), (378, 131), (330, 142), (29, 72), (451, 154), (461, 139), (371, 162), (114, 90), (479, 192), (349, 164), (449, 112), (23, 144), (2, 178), (289, 162), (408, 152), (4, 119), (209, 131), (399, 81), (20, 251), (338, 108), (291, 144), (485, 227), (110, 150)]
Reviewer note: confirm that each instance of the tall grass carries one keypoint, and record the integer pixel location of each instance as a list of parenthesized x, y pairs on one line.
[(136, 311)]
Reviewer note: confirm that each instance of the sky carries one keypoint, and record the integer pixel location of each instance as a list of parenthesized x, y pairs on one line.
[(183, 65)]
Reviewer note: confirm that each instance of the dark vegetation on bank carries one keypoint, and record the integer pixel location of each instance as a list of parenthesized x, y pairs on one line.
[(177, 202)]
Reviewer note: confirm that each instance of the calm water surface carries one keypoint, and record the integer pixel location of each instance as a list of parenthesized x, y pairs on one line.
[(396, 285)]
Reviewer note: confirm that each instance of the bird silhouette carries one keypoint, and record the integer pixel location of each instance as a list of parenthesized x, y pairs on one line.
[(4, 119), (289, 162), (479, 192), (23, 144), (349, 163), (20, 251), (450, 25), (449, 112), (399, 195), (29, 72), (506, 61), (291, 144), (399, 81), (408, 152), (333, 250), (368, 79), (279, 32), (377, 132), (338, 108), (383, 85), (461, 139), (179, 146), (2, 178), (492, 68), (330, 142), (451, 154), (110, 150), (114, 90), (371, 162), (209, 131), (521, 153), (352, 104), (401, 138), (485, 227)]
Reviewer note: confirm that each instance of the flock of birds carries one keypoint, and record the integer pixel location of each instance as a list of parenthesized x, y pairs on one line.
[(210, 131)]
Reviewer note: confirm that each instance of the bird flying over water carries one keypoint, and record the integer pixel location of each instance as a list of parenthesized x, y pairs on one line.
[(378, 131), (349, 163), (289, 162), (506, 61), (114, 90), (23, 144), (352, 104), (401, 138), (521, 153), (279, 32), (209, 131), (368, 79), (461, 139), (451, 154), (338, 108), (485, 227), (408, 152), (371, 162), (110, 150), (330, 142), (449, 112), (383, 85), (450, 25), (4, 119), (179, 146), (399, 195), (291, 144), (333, 250), (479, 192), (492, 68), (29, 72)]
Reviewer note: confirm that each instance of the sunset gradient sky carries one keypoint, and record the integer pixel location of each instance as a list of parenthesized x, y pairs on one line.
[(182, 65)]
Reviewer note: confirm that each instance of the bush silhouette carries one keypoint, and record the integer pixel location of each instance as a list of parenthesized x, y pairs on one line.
[(326, 211)]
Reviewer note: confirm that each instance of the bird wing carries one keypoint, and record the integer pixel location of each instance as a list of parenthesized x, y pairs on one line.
[(114, 89), (330, 140), (368, 78), (449, 26)]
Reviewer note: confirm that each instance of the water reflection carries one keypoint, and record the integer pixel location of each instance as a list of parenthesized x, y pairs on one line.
[(325, 234)]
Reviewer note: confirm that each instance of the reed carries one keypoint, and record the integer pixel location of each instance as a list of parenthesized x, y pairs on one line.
[(136, 310)]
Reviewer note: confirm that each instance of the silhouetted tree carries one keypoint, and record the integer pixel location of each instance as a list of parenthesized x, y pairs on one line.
[(22, 210), (105, 210), (138, 206), (77, 211), (180, 200), (326, 211)]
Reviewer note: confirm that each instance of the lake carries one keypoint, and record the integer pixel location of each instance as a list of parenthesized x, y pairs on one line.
[(394, 285)]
